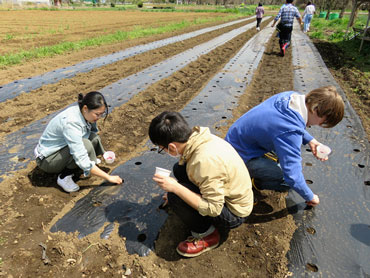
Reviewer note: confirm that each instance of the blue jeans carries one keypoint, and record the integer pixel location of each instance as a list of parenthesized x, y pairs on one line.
[(267, 174), (191, 217), (307, 21)]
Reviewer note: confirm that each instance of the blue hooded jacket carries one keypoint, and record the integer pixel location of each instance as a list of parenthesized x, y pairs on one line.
[(273, 126)]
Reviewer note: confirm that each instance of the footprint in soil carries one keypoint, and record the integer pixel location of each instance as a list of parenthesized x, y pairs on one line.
[(39, 178)]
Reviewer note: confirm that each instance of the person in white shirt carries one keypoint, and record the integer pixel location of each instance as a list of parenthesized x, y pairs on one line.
[(307, 16)]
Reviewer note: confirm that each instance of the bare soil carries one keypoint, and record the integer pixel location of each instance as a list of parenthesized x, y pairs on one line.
[(23, 30), (31, 201)]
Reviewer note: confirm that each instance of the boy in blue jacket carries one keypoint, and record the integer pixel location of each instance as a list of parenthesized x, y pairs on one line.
[(279, 125)]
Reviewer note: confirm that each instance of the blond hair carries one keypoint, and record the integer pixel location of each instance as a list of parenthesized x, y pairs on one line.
[(327, 103)]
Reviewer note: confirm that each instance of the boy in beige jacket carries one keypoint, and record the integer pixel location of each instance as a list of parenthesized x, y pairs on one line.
[(212, 185)]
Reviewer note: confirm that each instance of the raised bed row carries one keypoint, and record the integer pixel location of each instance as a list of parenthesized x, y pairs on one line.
[(13, 89), (333, 239)]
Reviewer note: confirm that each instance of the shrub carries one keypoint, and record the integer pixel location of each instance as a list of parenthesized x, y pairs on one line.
[(317, 35), (338, 35)]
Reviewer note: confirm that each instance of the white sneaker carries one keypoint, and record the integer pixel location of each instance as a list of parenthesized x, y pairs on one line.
[(68, 184), (258, 28)]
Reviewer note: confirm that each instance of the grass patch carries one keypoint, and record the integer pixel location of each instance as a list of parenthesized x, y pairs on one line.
[(243, 10), (2, 240), (118, 36), (334, 31), (9, 37)]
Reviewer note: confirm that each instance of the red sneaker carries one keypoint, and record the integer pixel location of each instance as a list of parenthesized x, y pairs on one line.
[(281, 50), (284, 48), (192, 247)]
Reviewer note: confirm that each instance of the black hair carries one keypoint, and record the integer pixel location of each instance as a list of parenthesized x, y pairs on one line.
[(259, 4), (92, 100), (169, 127), (289, 1), (309, 3)]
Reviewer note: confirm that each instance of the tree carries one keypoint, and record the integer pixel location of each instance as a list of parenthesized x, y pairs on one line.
[(344, 4), (330, 4), (355, 5)]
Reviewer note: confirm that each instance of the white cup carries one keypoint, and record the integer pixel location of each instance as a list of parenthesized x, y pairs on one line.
[(109, 157), (162, 172), (322, 151)]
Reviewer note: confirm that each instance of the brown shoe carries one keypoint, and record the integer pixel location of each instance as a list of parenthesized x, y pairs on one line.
[(193, 247)]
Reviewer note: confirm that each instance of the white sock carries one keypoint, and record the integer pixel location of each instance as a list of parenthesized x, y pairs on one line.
[(206, 233)]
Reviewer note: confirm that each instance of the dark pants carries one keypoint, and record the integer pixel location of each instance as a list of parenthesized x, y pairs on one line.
[(258, 22), (285, 34), (267, 174), (191, 217)]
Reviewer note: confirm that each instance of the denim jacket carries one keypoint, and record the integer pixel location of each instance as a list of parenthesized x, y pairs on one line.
[(67, 129)]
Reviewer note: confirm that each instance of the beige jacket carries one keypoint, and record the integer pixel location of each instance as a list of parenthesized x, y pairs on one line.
[(221, 175)]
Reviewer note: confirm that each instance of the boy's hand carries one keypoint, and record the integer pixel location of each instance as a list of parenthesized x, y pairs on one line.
[(168, 184), (165, 200), (313, 145), (314, 202)]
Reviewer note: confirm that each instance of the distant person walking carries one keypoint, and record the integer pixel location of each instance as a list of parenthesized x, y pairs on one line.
[(286, 14), (259, 14), (307, 16)]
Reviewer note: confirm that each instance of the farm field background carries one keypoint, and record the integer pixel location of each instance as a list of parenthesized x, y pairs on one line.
[(31, 201), (38, 34)]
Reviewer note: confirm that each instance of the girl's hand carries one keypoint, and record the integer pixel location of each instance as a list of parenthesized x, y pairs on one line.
[(114, 179)]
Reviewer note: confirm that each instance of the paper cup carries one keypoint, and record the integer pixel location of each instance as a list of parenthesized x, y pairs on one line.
[(323, 151), (109, 157), (162, 172)]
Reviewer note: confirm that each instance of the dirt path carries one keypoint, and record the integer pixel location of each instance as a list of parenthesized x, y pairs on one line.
[(355, 83)]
